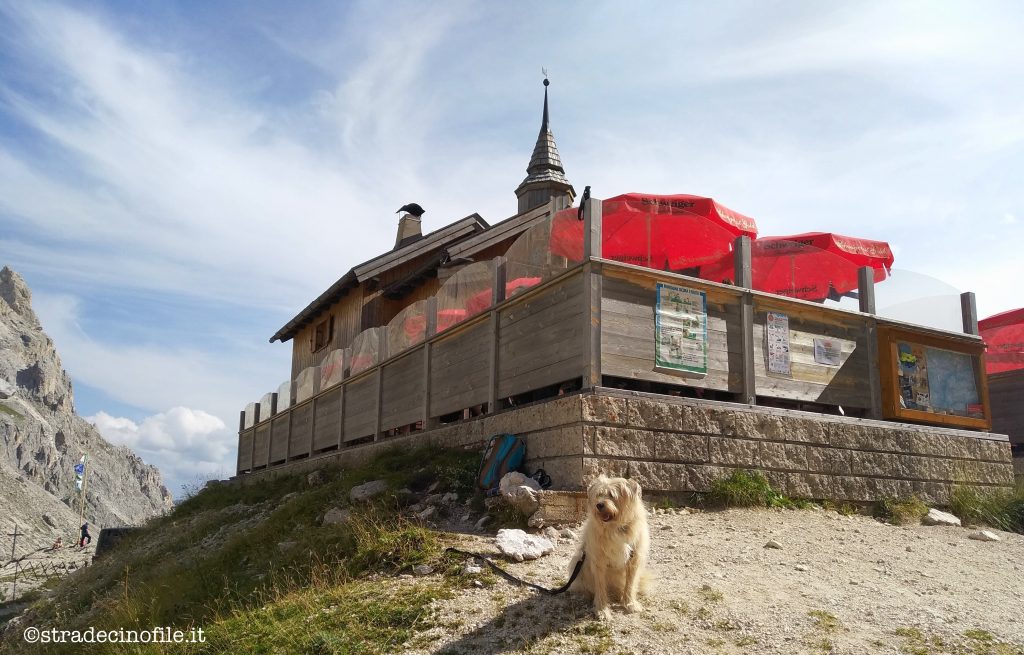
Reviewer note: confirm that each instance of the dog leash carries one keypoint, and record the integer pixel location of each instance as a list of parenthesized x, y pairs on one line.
[(513, 579)]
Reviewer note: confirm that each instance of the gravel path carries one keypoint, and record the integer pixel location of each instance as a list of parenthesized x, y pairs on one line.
[(839, 584)]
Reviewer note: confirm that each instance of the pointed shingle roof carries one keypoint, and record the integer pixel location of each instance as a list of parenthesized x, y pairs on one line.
[(545, 171)]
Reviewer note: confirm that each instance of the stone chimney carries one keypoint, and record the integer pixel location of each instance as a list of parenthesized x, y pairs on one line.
[(409, 230)]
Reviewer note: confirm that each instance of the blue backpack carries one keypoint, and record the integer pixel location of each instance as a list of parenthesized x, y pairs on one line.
[(504, 453)]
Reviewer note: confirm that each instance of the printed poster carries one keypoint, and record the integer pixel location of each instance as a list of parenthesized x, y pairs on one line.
[(828, 351), (777, 336), (681, 329)]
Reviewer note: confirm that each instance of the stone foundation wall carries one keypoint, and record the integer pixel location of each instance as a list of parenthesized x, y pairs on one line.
[(682, 445), (672, 444)]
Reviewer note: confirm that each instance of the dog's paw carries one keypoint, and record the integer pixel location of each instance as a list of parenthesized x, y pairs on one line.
[(634, 607), (603, 614)]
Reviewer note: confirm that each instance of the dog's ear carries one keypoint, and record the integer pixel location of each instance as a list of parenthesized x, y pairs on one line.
[(634, 488)]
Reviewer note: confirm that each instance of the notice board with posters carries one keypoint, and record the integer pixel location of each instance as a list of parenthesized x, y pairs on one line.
[(928, 378), (681, 330)]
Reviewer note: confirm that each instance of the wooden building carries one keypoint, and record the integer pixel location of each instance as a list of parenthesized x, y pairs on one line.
[(372, 293), (385, 357)]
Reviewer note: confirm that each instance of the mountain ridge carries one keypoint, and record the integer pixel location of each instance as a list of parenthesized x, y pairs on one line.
[(42, 438)]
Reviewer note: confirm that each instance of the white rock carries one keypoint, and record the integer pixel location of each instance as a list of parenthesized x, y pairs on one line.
[(471, 569), (336, 515), (465, 518), (422, 569), (520, 492), (936, 517), (484, 520), (518, 544), (551, 533), (566, 533), (773, 544), (450, 497), (367, 490), (802, 567), (984, 535), (6, 389)]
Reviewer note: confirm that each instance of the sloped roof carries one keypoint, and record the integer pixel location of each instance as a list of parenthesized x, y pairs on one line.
[(369, 269)]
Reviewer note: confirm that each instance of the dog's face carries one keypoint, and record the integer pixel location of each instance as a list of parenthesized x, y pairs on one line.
[(612, 498)]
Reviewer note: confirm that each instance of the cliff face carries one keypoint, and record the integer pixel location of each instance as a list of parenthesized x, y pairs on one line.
[(41, 439)]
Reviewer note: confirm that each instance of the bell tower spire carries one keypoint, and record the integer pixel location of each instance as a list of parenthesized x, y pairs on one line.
[(545, 177)]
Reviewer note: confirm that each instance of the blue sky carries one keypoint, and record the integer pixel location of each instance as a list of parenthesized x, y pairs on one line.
[(178, 180)]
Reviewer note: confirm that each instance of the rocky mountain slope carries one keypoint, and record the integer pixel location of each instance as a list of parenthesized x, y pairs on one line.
[(41, 439)]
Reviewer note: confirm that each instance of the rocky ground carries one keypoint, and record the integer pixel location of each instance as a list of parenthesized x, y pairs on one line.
[(839, 584)]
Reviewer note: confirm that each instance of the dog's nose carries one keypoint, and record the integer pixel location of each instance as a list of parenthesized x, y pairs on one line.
[(600, 507)]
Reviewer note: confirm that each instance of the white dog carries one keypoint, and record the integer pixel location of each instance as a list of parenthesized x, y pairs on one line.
[(615, 540)]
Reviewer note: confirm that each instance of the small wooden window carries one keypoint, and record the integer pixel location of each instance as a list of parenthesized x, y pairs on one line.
[(323, 333)]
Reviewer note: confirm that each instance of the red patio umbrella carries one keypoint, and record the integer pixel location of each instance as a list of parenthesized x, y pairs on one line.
[(1004, 335), (663, 232), (811, 266)]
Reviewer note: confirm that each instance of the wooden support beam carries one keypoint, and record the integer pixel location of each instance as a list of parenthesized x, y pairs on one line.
[(592, 228), (742, 263), (744, 278), (497, 296), (969, 312), (874, 373), (428, 421), (866, 289), (382, 355), (591, 296)]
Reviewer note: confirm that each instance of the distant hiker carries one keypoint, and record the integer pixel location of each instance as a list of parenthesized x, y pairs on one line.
[(86, 537), (57, 545)]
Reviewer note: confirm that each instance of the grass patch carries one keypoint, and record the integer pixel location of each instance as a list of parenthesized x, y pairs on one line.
[(999, 508), (825, 621), (846, 509), (355, 618), (710, 594), (10, 411), (972, 642), (750, 489), (229, 551), (904, 511)]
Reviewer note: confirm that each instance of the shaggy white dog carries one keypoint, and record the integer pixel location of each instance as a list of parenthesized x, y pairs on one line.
[(615, 540)]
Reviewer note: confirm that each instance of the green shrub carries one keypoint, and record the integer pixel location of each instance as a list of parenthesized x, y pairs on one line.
[(749, 489), (900, 511), (997, 508)]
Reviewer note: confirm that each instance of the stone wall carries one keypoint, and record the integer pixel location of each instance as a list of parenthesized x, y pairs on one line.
[(672, 444), (682, 445)]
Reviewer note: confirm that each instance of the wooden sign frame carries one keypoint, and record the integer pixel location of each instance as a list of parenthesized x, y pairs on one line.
[(888, 338)]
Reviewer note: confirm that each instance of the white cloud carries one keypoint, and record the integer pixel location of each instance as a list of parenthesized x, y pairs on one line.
[(185, 444)]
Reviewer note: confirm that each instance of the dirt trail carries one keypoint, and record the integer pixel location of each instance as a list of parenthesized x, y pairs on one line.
[(839, 584)]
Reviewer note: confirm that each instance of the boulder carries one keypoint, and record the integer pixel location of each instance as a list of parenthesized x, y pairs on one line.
[(316, 478), (336, 515), (522, 546), (520, 492), (936, 517), (6, 389), (367, 490), (984, 535)]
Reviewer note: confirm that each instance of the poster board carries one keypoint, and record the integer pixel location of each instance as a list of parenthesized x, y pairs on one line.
[(777, 346), (680, 330), (928, 378)]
